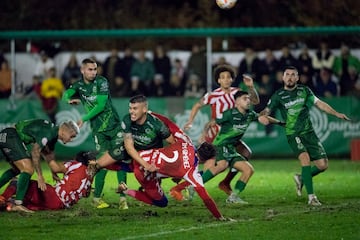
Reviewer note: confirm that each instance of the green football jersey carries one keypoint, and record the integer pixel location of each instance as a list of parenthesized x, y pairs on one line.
[(233, 126), (38, 131), (148, 135), (107, 119), (294, 107)]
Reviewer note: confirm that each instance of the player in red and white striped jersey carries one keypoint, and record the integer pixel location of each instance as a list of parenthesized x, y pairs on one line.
[(178, 160), (220, 100), (74, 185)]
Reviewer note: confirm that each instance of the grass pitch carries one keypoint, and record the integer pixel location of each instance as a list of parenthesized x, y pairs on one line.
[(274, 212)]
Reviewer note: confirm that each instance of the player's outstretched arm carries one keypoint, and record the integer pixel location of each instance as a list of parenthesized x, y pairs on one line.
[(328, 109)]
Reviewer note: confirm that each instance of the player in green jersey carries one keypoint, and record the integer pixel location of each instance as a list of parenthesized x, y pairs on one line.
[(143, 131), (294, 102), (38, 136), (234, 123), (93, 91)]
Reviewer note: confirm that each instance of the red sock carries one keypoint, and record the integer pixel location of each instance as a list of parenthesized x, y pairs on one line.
[(230, 176), (139, 195), (208, 201), (181, 186)]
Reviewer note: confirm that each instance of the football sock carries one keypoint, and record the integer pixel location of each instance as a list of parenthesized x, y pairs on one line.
[(22, 185), (230, 176), (99, 182), (239, 186), (7, 176), (141, 196), (208, 201), (315, 171), (307, 179), (121, 176), (207, 176)]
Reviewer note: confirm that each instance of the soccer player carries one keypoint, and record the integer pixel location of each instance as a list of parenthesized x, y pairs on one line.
[(143, 131), (220, 100), (74, 185), (94, 94), (294, 102), (233, 125), (38, 135)]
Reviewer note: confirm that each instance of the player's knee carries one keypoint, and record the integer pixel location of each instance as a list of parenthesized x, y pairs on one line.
[(163, 202)]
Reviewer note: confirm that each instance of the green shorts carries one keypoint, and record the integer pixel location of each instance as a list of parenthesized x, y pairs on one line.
[(112, 141), (309, 143), (229, 154), (12, 146)]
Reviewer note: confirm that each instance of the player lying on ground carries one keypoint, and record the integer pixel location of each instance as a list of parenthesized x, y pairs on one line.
[(75, 184), (177, 160)]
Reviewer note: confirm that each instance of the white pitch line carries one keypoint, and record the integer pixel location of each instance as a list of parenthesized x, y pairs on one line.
[(179, 230)]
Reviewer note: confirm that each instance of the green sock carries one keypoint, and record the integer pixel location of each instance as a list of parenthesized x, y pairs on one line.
[(99, 182), (121, 176), (207, 176), (239, 186), (307, 179), (315, 171), (7, 176), (22, 185)]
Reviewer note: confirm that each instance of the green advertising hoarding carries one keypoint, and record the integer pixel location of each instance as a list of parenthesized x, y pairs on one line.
[(335, 134)]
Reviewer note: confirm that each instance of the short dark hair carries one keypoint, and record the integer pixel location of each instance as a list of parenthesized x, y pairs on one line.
[(223, 68), (205, 151), (138, 99), (88, 60), (240, 93), (290, 68), (85, 156)]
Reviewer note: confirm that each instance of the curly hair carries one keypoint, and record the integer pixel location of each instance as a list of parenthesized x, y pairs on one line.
[(206, 151), (223, 68)]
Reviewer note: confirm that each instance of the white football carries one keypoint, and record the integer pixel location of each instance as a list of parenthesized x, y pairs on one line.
[(226, 4)]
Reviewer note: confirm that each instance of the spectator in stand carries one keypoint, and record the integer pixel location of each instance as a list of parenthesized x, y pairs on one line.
[(71, 72), (5, 80), (157, 86), (162, 65), (196, 64), (51, 91), (354, 76), (325, 85), (111, 68), (142, 74), (126, 63), (269, 64), (249, 65), (286, 59), (323, 58), (341, 67), (305, 63), (33, 91), (43, 65), (122, 82), (194, 88), (177, 79)]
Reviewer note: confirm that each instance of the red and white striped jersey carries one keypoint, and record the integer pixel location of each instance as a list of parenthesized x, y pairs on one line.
[(74, 184), (219, 101)]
